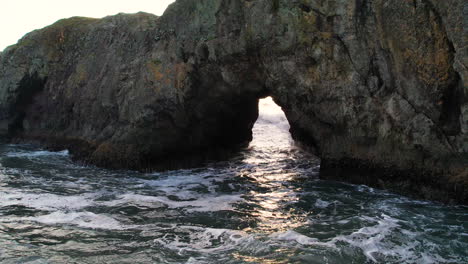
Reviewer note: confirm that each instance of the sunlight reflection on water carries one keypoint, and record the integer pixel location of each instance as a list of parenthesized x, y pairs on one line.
[(271, 144)]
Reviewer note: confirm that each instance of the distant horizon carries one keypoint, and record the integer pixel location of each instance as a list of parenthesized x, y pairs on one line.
[(20, 17)]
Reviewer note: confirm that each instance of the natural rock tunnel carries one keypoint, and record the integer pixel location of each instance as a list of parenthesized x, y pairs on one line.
[(387, 103)]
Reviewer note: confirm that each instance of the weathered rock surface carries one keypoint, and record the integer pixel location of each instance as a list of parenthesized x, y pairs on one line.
[(377, 87)]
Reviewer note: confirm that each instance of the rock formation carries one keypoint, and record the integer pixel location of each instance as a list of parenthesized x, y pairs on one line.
[(377, 87)]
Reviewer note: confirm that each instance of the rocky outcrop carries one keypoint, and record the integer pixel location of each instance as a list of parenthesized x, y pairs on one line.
[(377, 87)]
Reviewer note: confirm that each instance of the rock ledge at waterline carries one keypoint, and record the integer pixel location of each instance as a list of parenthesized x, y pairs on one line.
[(378, 88)]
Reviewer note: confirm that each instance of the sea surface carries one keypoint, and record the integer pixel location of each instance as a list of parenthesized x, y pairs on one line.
[(266, 205)]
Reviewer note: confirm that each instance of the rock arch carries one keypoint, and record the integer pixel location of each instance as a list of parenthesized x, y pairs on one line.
[(377, 87)]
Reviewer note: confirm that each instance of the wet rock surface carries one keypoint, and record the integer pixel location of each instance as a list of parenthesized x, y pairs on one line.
[(378, 88)]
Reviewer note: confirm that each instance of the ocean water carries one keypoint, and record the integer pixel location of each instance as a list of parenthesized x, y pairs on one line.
[(266, 205)]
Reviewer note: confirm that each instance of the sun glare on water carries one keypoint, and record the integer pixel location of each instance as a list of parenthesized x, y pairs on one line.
[(272, 144)]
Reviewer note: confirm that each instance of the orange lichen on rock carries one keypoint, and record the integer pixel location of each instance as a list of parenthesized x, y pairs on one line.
[(155, 69)]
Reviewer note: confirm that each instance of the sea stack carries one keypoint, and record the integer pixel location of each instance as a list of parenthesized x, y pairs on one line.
[(377, 88)]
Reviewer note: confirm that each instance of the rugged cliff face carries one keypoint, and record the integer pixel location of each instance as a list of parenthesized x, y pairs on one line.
[(377, 87)]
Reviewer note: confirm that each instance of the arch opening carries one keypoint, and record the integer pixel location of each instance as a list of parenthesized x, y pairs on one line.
[(271, 129), (273, 141)]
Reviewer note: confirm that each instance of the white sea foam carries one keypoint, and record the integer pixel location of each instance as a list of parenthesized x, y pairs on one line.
[(81, 219), (371, 239), (176, 181), (45, 201), (291, 235), (375, 243), (202, 204), (321, 204), (181, 183), (210, 240), (37, 153)]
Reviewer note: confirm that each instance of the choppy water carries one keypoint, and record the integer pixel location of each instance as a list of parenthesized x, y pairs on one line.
[(264, 206)]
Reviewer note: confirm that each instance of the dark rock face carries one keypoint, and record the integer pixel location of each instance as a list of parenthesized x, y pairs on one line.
[(377, 87)]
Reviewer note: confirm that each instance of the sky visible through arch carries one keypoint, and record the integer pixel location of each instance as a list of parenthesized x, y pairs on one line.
[(19, 17)]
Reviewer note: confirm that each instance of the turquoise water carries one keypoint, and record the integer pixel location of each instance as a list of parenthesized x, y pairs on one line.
[(266, 205)]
